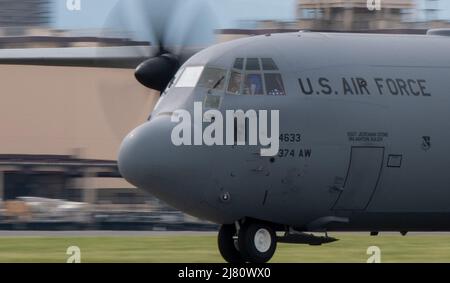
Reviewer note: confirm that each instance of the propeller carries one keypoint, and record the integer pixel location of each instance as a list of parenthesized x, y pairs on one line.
[(167, 33), (173, 35)]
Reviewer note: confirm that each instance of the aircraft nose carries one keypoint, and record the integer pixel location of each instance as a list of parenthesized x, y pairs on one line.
[(150, 161), (141, 157)]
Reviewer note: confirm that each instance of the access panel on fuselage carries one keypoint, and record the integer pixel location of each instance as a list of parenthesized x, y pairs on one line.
[(362, 178)]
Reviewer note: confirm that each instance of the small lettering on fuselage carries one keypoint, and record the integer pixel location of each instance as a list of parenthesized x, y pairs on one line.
[(365, 136), (295, 153), (362, 86)]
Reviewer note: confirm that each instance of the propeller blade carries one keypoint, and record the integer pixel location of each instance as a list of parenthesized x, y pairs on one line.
[(120, 23), (156, 16), (185, 25), (173, 30), (193, 26)]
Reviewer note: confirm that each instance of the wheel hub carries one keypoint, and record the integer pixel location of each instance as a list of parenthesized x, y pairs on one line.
[(263, 240)]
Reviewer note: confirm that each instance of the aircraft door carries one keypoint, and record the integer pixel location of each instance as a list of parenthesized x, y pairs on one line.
[(363, 174)]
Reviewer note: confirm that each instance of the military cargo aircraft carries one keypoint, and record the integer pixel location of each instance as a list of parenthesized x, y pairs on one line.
[(360, 144), (362, 141)]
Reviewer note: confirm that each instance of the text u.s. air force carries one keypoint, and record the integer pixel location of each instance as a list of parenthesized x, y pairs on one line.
[(363, 86)]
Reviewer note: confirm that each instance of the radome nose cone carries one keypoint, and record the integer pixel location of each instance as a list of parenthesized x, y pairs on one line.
[(149, 160), (130, 153), (144, 156)]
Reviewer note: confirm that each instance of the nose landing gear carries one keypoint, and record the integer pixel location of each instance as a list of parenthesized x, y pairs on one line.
[(254, 243)]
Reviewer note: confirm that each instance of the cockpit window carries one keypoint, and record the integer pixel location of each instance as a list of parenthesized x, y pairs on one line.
[(239, 64), (260, 76), (268, 64), (274, 84), (253, 64), (213, 78), (253, 85), (234, 86), (190, 77)]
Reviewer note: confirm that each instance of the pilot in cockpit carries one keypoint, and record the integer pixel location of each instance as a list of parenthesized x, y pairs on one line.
[(253, 85), (235, 83)]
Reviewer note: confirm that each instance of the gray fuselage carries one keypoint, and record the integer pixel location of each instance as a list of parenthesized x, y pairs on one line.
[(364, 135)]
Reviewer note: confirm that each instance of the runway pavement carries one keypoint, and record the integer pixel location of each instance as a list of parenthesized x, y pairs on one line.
[(101, 233)]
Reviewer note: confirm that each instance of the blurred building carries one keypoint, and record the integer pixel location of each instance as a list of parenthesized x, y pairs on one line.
[(431, 10), (394, 16), (354, 14), (61, 128), (48, 38), (17, 15)]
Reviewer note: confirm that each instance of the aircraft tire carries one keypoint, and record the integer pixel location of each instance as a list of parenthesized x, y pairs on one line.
[(227, 246), (257, 242)]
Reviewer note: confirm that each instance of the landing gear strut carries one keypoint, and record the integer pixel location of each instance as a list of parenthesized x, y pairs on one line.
[(256, 243)]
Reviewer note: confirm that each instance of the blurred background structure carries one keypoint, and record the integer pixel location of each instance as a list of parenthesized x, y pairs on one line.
[(354, 15), (25, 13), (60, 127), (393, 16)]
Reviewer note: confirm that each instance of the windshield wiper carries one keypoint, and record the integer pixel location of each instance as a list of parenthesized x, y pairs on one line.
[(218, 82)]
